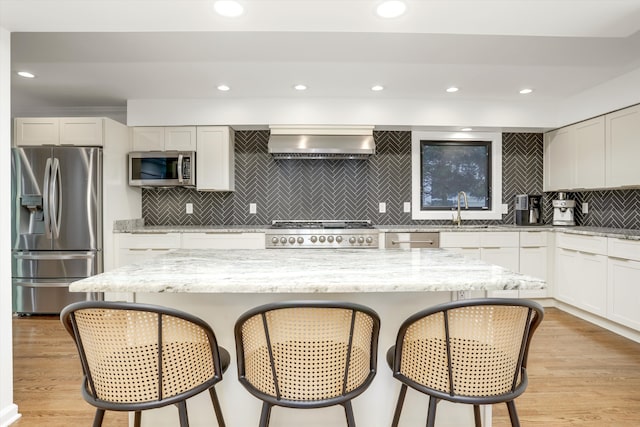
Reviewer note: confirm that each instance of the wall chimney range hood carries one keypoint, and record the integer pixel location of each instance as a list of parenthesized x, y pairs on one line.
[(321, 142)]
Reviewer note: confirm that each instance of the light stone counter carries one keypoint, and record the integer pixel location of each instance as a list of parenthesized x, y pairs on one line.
[(307, 271)]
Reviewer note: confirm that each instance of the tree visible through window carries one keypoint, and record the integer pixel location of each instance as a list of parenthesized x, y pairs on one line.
[(449, 167)]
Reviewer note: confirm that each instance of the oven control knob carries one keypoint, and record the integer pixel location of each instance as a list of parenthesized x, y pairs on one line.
[(314, 239), (330, 239), (352, 240), (339, 239), (292, 240), (274, 240), (283, 240), (321, 238), (300, 240), (369, 240), (360, 239)]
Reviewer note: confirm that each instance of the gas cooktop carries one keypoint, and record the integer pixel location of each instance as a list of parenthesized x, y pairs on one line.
[(354, 234)]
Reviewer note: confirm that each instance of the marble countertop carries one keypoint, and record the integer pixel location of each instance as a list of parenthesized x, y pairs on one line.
[(307, 271), (137, 226)]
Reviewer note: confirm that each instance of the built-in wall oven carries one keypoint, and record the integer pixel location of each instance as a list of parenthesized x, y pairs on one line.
[(162, 169)]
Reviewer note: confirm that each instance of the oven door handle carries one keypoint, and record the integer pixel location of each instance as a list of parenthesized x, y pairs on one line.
[(398, 242)]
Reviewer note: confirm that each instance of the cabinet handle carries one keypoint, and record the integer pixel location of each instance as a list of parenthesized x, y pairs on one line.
[(397, 242), (149, 232)]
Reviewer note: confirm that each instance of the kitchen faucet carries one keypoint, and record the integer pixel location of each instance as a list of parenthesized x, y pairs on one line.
[(458, 220)]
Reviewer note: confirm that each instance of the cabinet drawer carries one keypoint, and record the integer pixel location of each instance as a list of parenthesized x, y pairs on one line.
[(460, 239), (589, 244), (499, 239), (625, 249), (533, 239), (149, 241)]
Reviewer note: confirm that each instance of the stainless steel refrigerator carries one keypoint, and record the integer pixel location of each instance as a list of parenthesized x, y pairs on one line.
[(56, 231)]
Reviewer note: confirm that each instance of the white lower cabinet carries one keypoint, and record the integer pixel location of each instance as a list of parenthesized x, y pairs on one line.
[(132, 248), (499, 248), (623, 298), (581, 272)]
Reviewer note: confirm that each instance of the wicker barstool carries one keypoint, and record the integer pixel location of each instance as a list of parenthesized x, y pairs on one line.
[(136, 357), (469, 351), (307, 354)]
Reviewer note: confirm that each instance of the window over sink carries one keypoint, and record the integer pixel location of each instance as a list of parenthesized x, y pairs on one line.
[(446, 163)]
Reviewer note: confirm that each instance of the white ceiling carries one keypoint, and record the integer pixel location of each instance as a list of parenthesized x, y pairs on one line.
[(100, 53)]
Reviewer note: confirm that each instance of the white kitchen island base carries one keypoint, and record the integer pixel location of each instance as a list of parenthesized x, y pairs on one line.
[(374, 408)]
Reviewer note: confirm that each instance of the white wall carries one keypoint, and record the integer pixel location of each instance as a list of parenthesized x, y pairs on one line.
[(8, 410)]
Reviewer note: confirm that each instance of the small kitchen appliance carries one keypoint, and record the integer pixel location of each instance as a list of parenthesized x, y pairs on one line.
[(528, 210), (321, 234), (563, 210), (162, 169)]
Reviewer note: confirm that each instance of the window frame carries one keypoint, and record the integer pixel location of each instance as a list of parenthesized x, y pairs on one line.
[(495, 210)]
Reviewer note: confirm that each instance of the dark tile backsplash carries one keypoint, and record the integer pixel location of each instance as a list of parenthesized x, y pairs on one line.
[(351, 189)]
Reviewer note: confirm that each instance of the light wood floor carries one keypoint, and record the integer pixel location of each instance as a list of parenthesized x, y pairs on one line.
[(579, 375)]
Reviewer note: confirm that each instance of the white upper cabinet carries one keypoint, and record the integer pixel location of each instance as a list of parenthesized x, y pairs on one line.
[(215, 159), (623, 147), (158, 138), (80, 131), (574, 156)]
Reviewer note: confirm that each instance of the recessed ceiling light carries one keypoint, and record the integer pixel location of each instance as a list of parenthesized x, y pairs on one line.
[(228, 8), (224, 88), (377, 88), (466, 129), (391, 9), (452, 89), (300, 87), (526, 91), (26, 74)]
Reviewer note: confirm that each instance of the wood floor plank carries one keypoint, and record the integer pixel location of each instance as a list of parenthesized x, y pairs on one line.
[(579, 375)]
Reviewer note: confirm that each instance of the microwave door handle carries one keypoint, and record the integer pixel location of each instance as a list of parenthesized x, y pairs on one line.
[(46, 208), (180, 180), (56, 197)]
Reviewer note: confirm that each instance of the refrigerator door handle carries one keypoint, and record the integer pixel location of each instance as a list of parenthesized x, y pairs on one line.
[(42, 284), (180, 179), (54, 257), (56, 198), (46, 208)]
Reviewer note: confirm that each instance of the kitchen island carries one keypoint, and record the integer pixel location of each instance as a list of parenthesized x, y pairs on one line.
[(219, 285)]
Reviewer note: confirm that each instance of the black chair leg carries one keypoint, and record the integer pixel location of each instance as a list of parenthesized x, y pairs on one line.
[(431, 417), (265, 415), (476, 415), (97, 420), (513, 414), (216, 407), (182, 410), (137, 418), (348, 411), (396, 414)]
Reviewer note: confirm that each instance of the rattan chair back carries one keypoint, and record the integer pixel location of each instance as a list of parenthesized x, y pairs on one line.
[(307, 354), (137, 357), (470, 351)]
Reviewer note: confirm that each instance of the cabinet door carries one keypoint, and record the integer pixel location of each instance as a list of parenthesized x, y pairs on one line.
[(567, 286), (81, 131), (504, 257), (589, 142), (131, 248), (180, 138), (593, 283), (215, 159), (624, 292), (148, 138), (36, 131), (533, 262), (559, 160), (623, 147)]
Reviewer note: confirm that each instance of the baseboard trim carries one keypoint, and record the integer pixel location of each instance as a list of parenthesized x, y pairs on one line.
[(616, 328), (9, 415)]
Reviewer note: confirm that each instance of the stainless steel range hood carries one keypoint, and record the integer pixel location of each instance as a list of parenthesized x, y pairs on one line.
[(321, 142)]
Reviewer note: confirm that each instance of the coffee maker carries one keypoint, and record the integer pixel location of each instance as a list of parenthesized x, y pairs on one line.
[(563, 210), (528, 209)]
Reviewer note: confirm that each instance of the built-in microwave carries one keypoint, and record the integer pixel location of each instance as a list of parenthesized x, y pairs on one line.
[(162, 169)]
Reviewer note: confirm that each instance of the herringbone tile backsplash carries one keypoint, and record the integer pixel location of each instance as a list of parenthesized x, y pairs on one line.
[(352, 189)]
